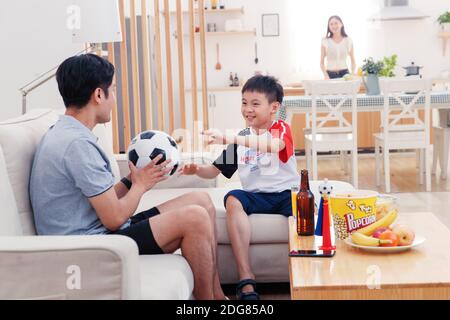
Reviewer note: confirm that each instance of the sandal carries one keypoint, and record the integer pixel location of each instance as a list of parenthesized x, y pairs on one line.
[(246, 295)]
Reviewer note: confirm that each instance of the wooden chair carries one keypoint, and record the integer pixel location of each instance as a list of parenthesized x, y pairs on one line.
[(327, 128), (402, 127)]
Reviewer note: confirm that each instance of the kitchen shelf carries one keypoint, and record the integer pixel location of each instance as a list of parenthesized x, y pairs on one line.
[(216, 11), (445, 36), (227, 33)]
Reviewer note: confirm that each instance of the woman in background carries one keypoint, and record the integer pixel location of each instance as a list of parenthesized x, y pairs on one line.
[(336, 47)]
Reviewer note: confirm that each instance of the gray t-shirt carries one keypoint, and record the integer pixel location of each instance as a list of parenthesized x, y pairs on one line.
[(68, 168)]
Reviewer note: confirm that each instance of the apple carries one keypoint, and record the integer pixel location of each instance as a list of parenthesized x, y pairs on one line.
[(379, 231), (389, 235), (405, 234)]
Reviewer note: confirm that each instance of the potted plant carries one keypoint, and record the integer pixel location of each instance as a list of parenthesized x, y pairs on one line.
[(444, 21), (372, 70), (389, 64)]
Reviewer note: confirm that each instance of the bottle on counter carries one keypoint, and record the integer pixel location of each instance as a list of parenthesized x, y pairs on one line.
[(231, 79), (221, 4), (305, 207), (214, 4), (236, 80), (207, 4)]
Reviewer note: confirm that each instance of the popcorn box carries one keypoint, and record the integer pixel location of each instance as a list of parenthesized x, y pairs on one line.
[(352, 210)]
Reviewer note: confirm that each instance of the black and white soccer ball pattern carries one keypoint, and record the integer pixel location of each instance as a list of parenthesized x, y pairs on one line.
[(325, 188), (149, 144)]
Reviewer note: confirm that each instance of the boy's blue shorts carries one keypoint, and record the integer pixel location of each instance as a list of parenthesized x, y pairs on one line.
[(278, 203)]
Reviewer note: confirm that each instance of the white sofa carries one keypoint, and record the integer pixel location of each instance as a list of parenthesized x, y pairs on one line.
[(109, 267)]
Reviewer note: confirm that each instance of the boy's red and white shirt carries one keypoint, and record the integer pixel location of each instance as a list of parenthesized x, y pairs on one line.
[(260, 171)]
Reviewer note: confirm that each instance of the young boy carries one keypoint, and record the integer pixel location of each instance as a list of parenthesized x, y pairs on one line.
[(263, 154)]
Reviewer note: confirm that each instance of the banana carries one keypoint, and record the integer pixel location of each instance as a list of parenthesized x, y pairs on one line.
[(385, 222), (363, 240)]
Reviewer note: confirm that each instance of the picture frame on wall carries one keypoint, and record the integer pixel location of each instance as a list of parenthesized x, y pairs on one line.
[(271, 25)]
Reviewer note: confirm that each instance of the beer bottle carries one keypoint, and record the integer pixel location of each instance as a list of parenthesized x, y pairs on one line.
[(236, 80), (305, 207)]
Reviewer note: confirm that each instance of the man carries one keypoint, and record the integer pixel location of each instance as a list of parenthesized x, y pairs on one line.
[(72, 186)]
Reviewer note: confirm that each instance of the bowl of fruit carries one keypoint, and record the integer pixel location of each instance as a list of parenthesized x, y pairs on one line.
[(385, 237)]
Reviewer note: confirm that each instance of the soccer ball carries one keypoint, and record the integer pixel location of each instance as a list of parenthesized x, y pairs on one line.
[(325, 187), (147, 145)]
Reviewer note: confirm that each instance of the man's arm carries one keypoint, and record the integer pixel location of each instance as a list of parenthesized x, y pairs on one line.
[(121, 189), (114, 212)]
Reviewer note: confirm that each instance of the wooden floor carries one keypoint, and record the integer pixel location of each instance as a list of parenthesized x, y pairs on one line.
[(404, 185)]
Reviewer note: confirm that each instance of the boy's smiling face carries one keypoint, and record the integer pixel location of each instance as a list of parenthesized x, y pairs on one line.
[(257, 111)]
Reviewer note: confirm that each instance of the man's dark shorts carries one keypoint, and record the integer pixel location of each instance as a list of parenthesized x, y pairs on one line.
[(141, 232)]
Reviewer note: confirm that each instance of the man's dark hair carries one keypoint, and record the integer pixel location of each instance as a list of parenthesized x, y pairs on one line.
[(267, 85), (79, 76)]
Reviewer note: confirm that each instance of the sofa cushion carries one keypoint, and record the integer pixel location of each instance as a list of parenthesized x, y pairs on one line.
[(9, 216), (260, 223), (165, 277), (19, 138)]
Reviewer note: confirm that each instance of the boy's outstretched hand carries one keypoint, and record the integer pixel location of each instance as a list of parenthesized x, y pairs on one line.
[(188, 169), (214, 137)]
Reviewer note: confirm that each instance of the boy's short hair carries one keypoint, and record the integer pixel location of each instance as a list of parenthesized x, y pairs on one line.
[(79, 76), (267, 85)]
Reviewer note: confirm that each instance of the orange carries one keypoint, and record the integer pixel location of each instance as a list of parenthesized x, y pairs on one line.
[(389, 235)]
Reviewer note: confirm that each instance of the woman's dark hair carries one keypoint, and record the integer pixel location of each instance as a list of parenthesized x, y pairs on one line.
[(79, 76), (266, 85), (329, 33)]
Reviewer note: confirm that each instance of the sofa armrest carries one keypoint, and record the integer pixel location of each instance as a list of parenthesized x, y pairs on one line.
[(69, 267)]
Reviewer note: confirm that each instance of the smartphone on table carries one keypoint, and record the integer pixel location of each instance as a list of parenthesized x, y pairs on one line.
[(312, 253)]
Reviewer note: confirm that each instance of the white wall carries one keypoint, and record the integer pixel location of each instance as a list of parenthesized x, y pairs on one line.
[(413, 40), (237, 53), (295, 54), (34, 39)]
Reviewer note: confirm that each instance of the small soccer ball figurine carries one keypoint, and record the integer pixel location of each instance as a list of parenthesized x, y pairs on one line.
[(324, 219), (325, 188)]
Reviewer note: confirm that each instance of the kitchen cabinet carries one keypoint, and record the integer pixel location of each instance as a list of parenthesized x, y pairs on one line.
[(225, 110)]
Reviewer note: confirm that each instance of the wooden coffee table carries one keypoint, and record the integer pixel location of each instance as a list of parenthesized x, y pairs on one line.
[(420, 273)]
